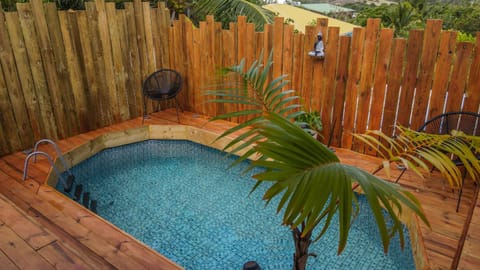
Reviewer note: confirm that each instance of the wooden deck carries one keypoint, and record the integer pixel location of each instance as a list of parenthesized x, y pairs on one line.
[(42, 229)]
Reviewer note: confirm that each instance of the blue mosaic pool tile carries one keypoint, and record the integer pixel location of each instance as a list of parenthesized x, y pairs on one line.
[(179, 198)]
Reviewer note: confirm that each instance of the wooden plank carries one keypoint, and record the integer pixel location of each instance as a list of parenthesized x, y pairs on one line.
[(41, 128), (93, 99), (201, 36), (199, 105), (9, 126), (278, 52), (107, 63), (62, 257), (61, 67), (380, 80), (118, 71), (130, 87), (340, 86), (442, 72), (99, 64), (425, 76), (297, 65), (472, 95), (318, 70), (140, 36), (366, 80), (20, 252), (14, 89), (191, 72), (32, 47), (307, 76), (48, 61), (329, 94), (458, 82), (76, 76), (241, 42), (5, 262), (163, 25), (414, 49), (24, 227), (150, 51), (180, 62), (354, 71), (394, 81), (288, 53), (135, 93)]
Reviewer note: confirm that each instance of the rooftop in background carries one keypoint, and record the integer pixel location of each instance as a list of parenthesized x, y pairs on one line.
[(326, 8), (302, 17)]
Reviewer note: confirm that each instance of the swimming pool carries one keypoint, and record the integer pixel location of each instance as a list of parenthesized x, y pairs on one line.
[(179, 198)]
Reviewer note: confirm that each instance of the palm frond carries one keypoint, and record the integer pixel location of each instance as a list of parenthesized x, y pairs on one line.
[(314, 185), (419, 150)]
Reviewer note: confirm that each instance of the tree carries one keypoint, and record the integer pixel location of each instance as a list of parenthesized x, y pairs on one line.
[(227, 11), (308, 177)]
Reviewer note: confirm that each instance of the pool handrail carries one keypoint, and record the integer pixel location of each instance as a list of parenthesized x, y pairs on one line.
[(57, 150), (66, 186)]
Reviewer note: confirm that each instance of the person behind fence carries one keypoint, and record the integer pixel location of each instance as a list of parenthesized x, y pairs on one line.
[(318, 49)]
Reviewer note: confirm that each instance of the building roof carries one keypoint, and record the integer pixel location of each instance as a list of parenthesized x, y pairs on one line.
[(303, 17), (326, 8)]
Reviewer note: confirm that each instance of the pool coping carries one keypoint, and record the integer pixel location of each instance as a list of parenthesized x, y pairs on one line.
[(205, 137)]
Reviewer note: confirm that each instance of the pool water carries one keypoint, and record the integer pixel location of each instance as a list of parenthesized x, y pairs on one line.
[(181, 199)]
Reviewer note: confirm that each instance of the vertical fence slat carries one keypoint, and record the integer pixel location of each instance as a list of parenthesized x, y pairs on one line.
[(354, 72), (75, 75), (458, 82), (27, 27), (95, 114), (190, 77), (198, 74), (340, 86), (228, 59), (134, 59), (98, 65), (394, 81), (366, 79), (425, 76), (288, 53), (118, 69), (40, 126), (442, 72), (163, 25), (329, 93), (128, 97), (307, 70), (297, 65), (15, 96), (277, 46), (48, 61), (62, 73), (318, 70), (380, 80), (472, 99), (414, 49), (8, 124)]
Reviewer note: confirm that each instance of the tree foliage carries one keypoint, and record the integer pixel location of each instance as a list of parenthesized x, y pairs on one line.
[(463, 16), (314, 187)]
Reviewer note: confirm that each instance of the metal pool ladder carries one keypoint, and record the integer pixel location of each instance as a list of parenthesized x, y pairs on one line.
[(68, 183)]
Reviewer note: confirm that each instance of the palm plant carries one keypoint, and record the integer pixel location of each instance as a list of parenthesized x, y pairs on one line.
[(418, 150), (310, 180)]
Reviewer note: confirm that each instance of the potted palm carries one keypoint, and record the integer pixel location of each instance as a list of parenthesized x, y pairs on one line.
[(309, 178)]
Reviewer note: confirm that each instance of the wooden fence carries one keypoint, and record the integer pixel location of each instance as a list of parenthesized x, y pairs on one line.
[(67, 72)]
